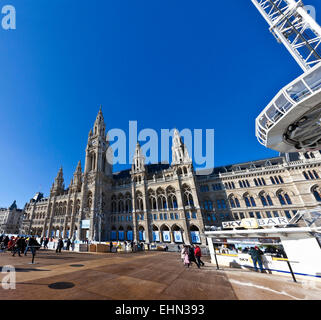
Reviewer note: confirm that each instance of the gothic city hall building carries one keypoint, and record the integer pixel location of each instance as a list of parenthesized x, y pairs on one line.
[(169, 203)]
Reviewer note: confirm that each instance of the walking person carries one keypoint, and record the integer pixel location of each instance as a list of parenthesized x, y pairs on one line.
[(186, 260), (192, 256), (73, 245), (256, 255), (33, 245), (183, 253), (17, 247), (198, 255), (45, 243), (60, 245), (68, 244)]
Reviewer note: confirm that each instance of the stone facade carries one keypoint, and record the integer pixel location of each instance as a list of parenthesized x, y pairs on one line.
[(11, 219), (153, 202)]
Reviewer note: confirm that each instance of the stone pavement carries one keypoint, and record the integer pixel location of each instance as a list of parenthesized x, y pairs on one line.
[(142, 276)]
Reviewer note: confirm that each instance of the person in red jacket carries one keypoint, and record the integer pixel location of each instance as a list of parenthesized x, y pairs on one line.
[(198, 255)]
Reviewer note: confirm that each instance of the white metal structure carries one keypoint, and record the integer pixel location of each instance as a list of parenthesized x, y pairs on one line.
[(291, 122)]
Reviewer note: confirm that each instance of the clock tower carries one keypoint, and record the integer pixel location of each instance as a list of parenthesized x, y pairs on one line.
[(97, 180)]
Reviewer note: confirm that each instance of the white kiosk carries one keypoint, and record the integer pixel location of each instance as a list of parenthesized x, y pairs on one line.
[(293, 245)]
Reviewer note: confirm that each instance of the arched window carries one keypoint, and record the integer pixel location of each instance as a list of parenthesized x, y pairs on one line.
[(305, 175), (287, 198), (272, 180), (249, 201), (263, 200), (270, 202), (316, 175), (232, 203), (317, 194)]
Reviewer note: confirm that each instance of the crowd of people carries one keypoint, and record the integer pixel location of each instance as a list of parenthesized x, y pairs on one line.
[(192, 253), (19, 245)]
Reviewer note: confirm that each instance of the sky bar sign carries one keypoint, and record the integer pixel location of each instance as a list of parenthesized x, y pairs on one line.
[(253, 223)]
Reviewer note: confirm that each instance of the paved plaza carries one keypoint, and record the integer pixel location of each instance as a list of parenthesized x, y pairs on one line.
[(142, 276)]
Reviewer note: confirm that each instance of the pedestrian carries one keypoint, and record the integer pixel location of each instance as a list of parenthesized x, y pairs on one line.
[(60, 245), (41, 242), (256, 255), (198, 255), (192, 255), (6, 241), (23, 244), (17, 247), (45, 243), (183, 253), (11, 244), (27, 246), (33, 245), (68, 244), (73, 245), (111, 246), (186, 260), (178, 248)]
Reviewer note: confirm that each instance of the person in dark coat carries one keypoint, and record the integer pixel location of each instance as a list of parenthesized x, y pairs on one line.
[(68, 244), (60, 245), (33, 245), (17, 247), (191, 255), (6, 241), (45, 243), (256, 255)]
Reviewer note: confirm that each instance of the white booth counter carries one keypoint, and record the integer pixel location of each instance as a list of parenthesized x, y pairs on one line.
[(301, 246)]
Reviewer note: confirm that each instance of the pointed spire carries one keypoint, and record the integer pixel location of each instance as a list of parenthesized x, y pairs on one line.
[(99, 125), (179, 151), (138, 160), (78, 169)]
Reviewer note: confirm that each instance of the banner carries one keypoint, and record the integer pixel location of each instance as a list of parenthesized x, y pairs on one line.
[(156, 236), (195, 235), (57, 233), (166, 236), (141, 235), (130, 235), (67, 234), (113, 235), (121, 235), (85, 224), (178, 237)]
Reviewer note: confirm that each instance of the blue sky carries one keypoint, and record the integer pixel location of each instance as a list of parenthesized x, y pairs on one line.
[(164, 63)]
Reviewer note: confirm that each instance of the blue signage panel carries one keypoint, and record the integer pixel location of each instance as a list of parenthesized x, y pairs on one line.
[(166, 236), (178, 237), (121, 235), (156, 236), (85, 224), (141, 235), (130, 235), (113, 235), (195, 235)]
